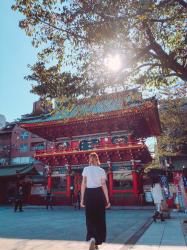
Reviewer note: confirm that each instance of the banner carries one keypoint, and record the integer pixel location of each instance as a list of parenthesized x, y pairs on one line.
[(181, 195), (165, 186)]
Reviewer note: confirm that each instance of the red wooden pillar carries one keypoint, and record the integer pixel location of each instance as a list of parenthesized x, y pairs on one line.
[(140, 180), (110, 178), (130, 140), (49, 180), (68, 191), (68, 181), (49, 183), (135, 178), (135, 182), (109, 140)]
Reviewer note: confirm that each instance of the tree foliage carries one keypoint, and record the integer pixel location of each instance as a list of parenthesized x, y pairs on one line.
[(58, 83), (173, 117), (150, 36)]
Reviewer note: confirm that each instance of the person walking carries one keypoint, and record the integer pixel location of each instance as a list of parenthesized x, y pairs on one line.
[(94, 197), (49, 200), (19, 199), (72, 195), (77, 200), (157, 195)]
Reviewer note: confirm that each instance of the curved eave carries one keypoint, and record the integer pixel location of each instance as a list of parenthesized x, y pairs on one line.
[(14, 171), (147, 113)]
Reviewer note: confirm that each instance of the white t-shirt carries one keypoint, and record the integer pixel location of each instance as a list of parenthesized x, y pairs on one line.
[(94, 175)]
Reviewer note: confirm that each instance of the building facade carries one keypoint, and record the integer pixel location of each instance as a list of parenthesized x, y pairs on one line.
[(17, 164)]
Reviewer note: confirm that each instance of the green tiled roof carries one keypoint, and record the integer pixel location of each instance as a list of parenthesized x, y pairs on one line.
[(14, 170), (101, 105)]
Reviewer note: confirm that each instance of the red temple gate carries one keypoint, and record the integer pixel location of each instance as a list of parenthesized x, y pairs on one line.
[(114, 127)]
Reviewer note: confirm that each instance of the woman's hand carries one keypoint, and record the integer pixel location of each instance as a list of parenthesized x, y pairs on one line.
[(82, 203), (108, 205)]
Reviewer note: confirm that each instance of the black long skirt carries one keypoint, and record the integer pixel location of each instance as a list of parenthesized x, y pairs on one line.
[(95, 214)]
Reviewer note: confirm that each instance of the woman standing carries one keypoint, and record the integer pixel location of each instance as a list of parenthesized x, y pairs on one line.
[(94, 197)]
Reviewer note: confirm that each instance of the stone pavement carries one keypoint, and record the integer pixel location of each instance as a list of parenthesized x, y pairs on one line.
[(64, 229), (168, 235)]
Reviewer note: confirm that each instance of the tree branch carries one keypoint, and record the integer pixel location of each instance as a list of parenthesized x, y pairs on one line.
[(183, 3), (165, 3), (168, 60), (75, 35), (152, 65)]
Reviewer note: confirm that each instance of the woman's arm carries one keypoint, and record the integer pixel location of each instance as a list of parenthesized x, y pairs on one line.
[(83, 187), (105, 191)]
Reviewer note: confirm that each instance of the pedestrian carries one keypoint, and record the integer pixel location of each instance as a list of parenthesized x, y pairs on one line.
[(94, 197), (165, 209), (157, 195), (49, 200), (11, 195), (19, 199), (77, 200), (72, 195)]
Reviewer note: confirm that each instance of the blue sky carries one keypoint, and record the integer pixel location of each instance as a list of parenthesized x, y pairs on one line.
[(16, 52)]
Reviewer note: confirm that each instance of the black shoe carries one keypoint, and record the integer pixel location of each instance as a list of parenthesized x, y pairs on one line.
[(154, 218), (162, 217)]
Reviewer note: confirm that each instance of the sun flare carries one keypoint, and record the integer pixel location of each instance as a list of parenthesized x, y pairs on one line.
[(113, 62)]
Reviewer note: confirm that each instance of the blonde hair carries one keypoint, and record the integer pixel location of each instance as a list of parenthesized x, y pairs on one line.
[(94, 159)]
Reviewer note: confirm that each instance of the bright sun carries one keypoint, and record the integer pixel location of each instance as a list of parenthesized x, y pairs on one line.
[(113, 62)]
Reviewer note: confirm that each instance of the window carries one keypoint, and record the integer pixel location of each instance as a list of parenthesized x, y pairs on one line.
[(3, 161), (24, 147), (89, 144), (24, 135), (122, 139), (37, 146), (63, 145), (122, 180), (59, 183), (21, 160)]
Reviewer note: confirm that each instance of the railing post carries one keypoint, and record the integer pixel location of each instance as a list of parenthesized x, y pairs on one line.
[(68, 181), (135, 177), (110, 178), (49, 179)]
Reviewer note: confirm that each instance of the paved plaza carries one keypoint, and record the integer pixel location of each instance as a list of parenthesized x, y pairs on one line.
[(64, 229)]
